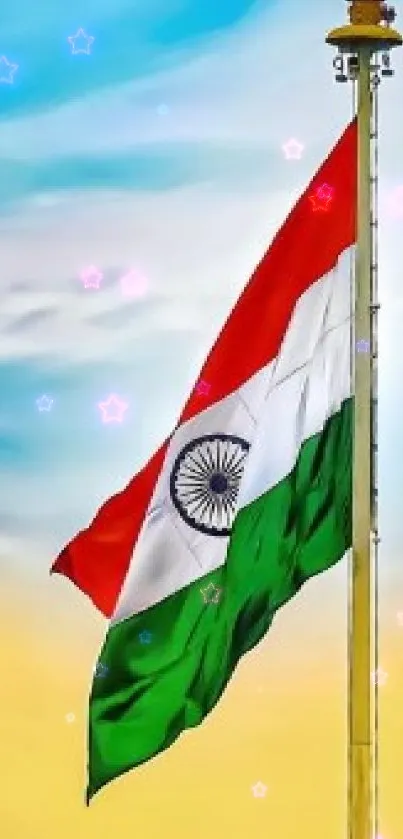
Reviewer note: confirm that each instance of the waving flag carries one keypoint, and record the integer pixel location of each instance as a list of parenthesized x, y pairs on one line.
[(249, 497)]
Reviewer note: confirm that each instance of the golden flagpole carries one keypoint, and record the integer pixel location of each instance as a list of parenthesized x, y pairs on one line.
[(367, 33)]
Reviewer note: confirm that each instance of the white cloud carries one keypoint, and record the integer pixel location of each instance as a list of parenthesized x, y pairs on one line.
[(196, 247)]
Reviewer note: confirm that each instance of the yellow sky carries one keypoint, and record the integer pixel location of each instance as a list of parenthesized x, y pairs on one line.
[(281, 722)]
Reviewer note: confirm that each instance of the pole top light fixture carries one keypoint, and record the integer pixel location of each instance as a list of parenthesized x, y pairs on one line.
[(369, 27)]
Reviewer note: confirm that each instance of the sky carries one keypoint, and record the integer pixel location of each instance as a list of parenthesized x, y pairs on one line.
[(142, 176)]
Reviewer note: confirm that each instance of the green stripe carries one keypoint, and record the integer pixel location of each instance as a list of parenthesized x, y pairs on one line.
[(154, 691)]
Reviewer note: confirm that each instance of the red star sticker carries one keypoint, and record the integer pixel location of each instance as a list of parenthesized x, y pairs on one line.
[(202, 388), (322, 198)]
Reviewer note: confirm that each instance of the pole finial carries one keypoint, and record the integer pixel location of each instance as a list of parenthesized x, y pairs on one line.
[(369, 26), (366, 12)]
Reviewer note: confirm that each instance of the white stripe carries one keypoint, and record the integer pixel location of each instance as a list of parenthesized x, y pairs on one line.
[(280, 407)]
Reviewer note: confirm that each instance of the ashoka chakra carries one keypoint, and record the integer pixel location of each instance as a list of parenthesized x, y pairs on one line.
[(205, 482)]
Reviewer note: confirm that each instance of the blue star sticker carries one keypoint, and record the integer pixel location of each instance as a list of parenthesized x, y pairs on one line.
[(145, 637), (81, 42), (7, 71), (44, 403), (100, 670)]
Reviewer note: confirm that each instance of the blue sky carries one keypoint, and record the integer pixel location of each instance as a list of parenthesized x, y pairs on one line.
[(158, 153), (133, 40)]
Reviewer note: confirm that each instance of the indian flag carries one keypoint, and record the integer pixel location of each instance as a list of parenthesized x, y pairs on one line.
[(249, 497)]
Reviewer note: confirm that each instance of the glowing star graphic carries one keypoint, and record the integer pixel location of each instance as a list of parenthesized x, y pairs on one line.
[(70, 718), (259, 790), (7, 71), (292, 149), (81, 42), (322, 198), (379, 677), (113, 409), (211, 594), (91, 277), (44, 403), (202, 388), (100, 670), (133, 284), (145, 637)]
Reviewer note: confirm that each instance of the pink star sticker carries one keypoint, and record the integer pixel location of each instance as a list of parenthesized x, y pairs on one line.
[(292, 149), (133, 284), (379, 677), (81, 42), (259, 790), (396, 202), (91, 277), (113, 409)]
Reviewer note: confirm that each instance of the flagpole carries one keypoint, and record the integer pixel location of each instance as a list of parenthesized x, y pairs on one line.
[(368, 32)]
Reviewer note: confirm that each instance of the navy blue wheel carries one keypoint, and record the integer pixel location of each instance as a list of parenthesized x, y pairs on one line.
[(205, 482)]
